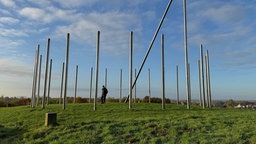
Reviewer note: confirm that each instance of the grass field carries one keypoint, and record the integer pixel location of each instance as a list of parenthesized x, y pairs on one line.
[(115, 123)]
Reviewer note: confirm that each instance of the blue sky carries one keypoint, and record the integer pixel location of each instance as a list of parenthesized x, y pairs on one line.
[(225, 28)]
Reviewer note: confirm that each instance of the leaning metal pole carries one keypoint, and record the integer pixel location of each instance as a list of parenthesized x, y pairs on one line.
[(130, 80), (206, 81), (202, 74), (49, 84), (151, 44), (46, 72), (66, 73), (199, 82), (96, 70), (186, 53), (163, 78), (135, 88)]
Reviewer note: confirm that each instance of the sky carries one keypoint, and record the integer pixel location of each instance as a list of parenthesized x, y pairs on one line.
[(225, 28)]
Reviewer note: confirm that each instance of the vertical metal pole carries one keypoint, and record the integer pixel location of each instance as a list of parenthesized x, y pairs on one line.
[(49, 84), (189, 86), (97, 69), (46, 72), (206, 80), (199, 82), (121, 77), (130, 82), (135, 88), (61, 83), (149, 91), (209, 81), (106, 77), (35, 77), (177, 83), (66, 72), (202, 74), (91, 85), (186, 52), (39, 78), (163, 78), (76, 83)]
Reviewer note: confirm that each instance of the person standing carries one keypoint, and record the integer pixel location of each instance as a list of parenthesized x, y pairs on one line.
[(104, 94)]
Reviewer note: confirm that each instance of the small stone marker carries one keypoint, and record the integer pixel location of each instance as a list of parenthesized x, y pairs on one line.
[(51, 118)]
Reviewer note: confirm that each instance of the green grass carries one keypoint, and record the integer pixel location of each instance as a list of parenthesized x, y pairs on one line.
[(115, 123)]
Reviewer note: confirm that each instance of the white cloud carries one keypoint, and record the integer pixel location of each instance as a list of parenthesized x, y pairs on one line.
[(32, 13), (8, 20), (8, 3), (12, 32)]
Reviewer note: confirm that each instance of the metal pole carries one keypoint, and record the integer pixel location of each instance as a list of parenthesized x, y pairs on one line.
[(97, 69), (149, 92), (66, 72), (106, 77), (199, 82), (61, 84), (35, 77), (76, 83), (202, 74), (39, 78), (91, 85), (177, 83), (189, 88), (49, 84), (151, 44), (206, 80), (163, 78), (209, 81), (135, 88), (186, 53), (121, 73), (46, 72), (130, 82)]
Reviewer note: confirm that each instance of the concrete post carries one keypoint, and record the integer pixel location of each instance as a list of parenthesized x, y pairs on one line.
[(202, 74), (35, 77)]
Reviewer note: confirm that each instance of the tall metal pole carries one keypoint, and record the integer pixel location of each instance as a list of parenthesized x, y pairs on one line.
[(91, 85), (151, 44), (163, 78), (149, 91), (97, 69), (61, 83), (177, 83), (186, 52), (39, 78), (209, 80), (130, 81), (189, 86), (76, 83), (46, 72), (66, 72), (202, 74), (35, 77), (199, 82), (49, 84), (206, 80), (121, 77), (106, 77), (135, 87)]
